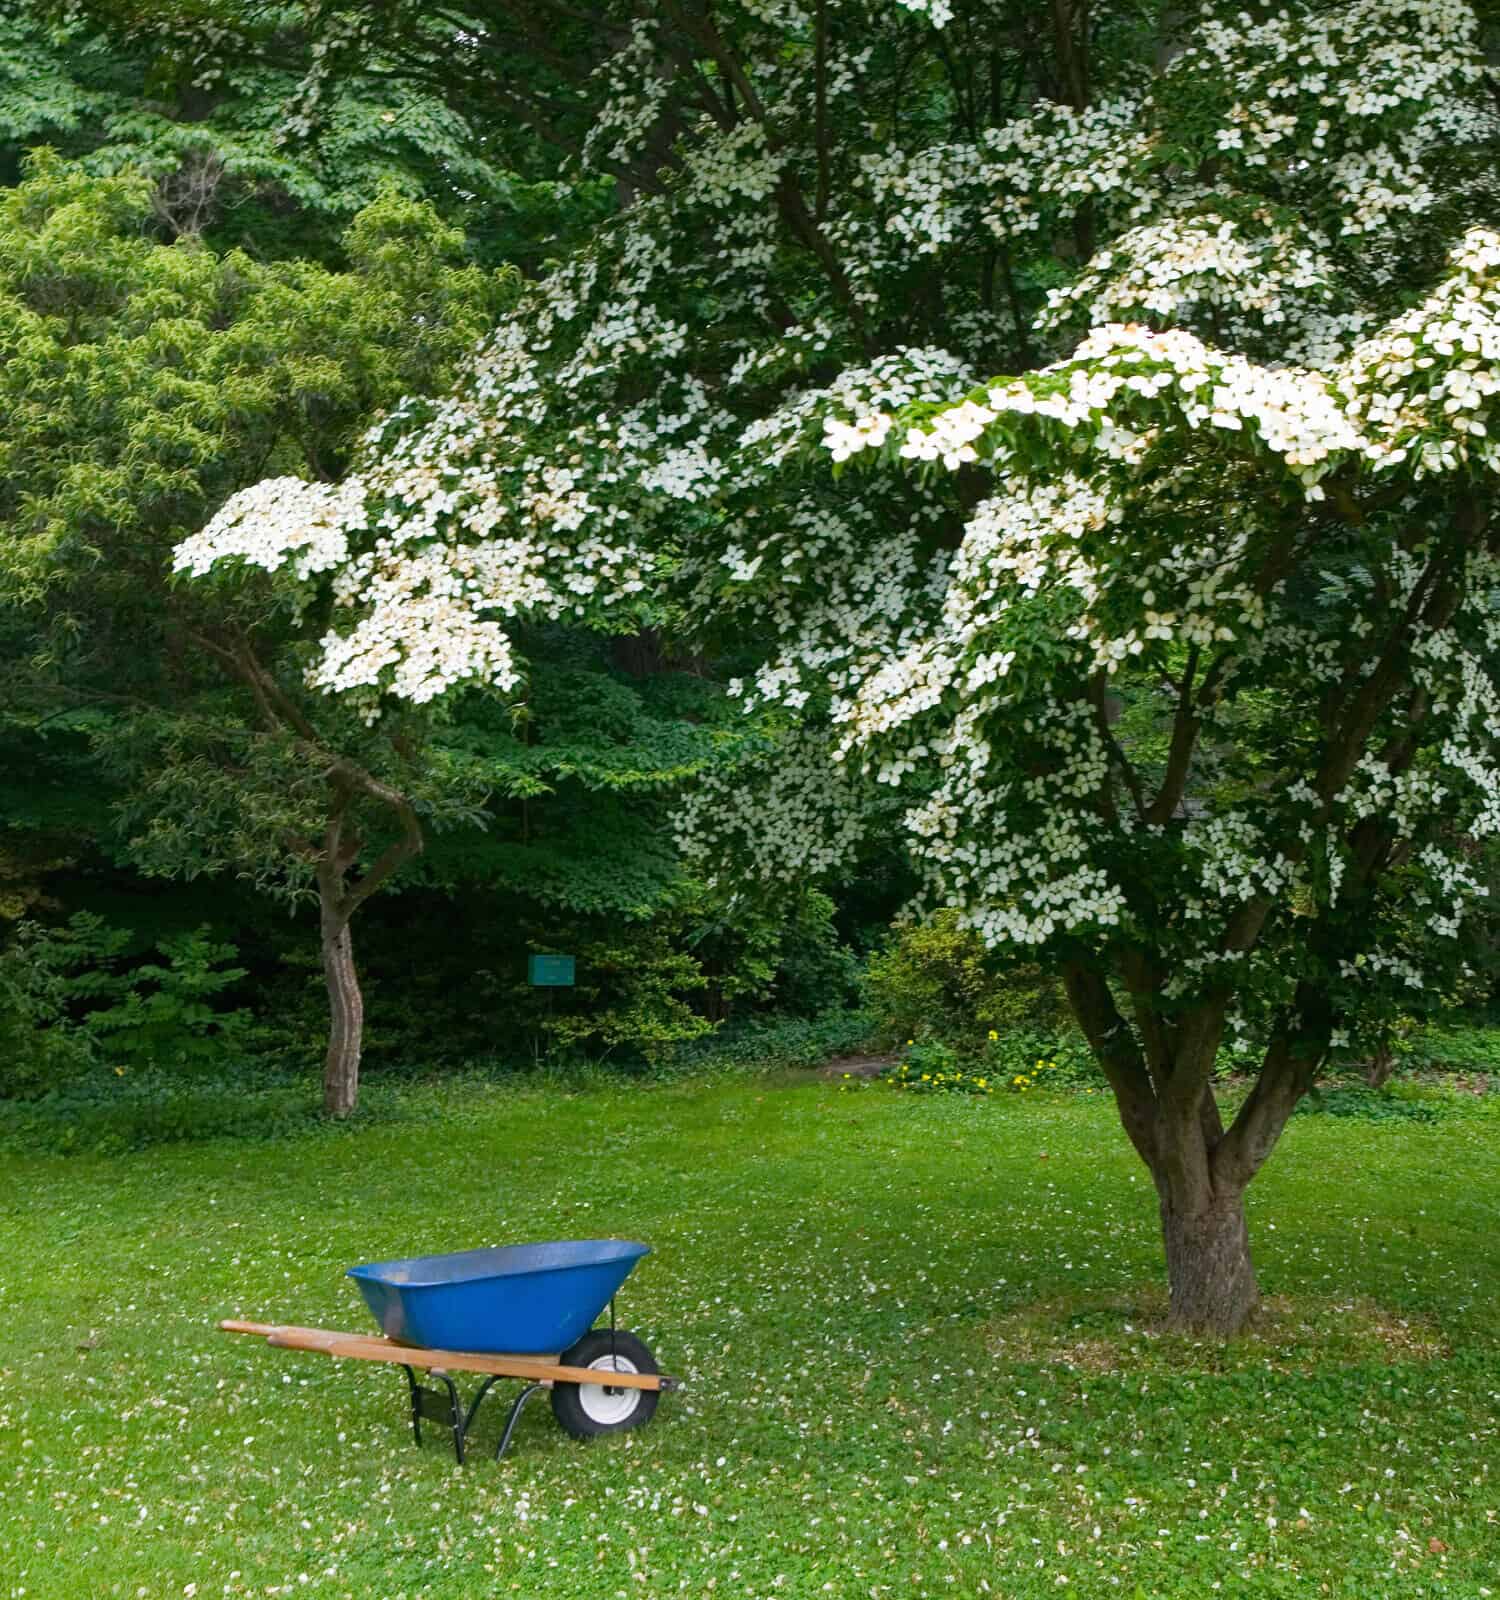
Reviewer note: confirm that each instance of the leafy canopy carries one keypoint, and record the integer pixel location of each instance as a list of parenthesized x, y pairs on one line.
[(1179, 641), (203, 100)]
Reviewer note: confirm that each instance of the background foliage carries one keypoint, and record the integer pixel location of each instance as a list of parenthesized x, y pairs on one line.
[(225, 256)]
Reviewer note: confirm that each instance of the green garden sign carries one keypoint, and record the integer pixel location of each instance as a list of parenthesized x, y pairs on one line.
[(550, 972)]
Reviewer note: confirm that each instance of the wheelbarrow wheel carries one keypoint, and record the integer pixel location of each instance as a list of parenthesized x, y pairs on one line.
[(585, 1409)]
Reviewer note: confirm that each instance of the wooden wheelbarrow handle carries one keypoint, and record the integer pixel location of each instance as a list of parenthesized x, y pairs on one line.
[(362, 1347)]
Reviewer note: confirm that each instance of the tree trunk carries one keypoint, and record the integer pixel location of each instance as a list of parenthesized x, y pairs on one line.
[(346, 1019), (1380, 1067), (1209, 1270), (1162, 1077)]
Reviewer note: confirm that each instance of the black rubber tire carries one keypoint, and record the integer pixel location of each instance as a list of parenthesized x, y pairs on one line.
[(568, 1408)]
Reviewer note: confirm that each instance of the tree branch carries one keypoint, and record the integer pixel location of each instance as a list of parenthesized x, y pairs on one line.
[(1433, 599), (1185, 726), (395, 854), (1281, 1083), (346, 777), (1119, 1059), (1096, 693)]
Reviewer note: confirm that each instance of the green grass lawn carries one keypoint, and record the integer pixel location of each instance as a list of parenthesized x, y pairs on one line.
[(916, 1335)]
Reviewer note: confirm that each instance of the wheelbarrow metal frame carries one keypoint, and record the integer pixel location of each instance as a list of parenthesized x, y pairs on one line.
[(445, 1406)]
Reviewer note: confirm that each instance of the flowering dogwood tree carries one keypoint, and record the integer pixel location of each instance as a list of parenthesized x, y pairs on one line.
[(1180, 646)]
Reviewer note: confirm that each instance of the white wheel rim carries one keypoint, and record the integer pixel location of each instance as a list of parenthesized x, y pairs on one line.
[(600, 1406)]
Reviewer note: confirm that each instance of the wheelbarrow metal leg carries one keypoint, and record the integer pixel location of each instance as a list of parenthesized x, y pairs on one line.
[(449, 1410), (437, 1407), (455, 1411), (415, 1389), (473, 1411), (515, 1416), (613, 1357)]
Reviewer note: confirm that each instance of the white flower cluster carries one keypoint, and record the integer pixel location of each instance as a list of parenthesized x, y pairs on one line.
[(1423, 385), (1022, 868), (1376, 964), (1273, 286), (734, 168), (930, 198), (1046, 167), (1237, 858), (1132, 394), (790, 814), (633, 92), (1316, 83), (939, 12), (906, 377), (1012, 546), (1292, 412), (277, 523), (1015, 181), (418, 645)]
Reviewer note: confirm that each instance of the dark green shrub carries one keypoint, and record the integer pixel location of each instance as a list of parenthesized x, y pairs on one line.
[(69, 997), (41, 1045), (1041, 1059), (630, 998), (1456, 1046), (935, 978), (1008, 1063), (113, 1116), (817, 972), (99, 1112), (164, 1018), (783, 954), (1393, 1103), (927, 1066)]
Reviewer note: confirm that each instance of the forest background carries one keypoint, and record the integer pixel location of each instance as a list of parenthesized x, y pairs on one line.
[(198, 294), (191, 301)]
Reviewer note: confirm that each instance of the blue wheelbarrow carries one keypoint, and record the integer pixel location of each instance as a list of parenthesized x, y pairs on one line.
[(525, 1311)]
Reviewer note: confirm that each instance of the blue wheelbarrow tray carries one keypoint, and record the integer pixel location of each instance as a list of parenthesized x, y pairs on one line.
[(525, 1299)]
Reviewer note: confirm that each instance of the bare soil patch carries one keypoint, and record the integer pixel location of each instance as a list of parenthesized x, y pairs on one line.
[(1128, 1333), (855, 1066)]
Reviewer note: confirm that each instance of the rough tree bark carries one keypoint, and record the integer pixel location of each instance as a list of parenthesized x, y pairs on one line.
[(1160, 1063), (346, 1016), (1209, 1270), (1200, 1187), (1380, 1066)]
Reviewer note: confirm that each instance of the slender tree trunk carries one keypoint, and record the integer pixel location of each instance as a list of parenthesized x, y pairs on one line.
[(346, 1017), (1209, 1271), (332, 858), (338, 900), (1379, 1068)]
